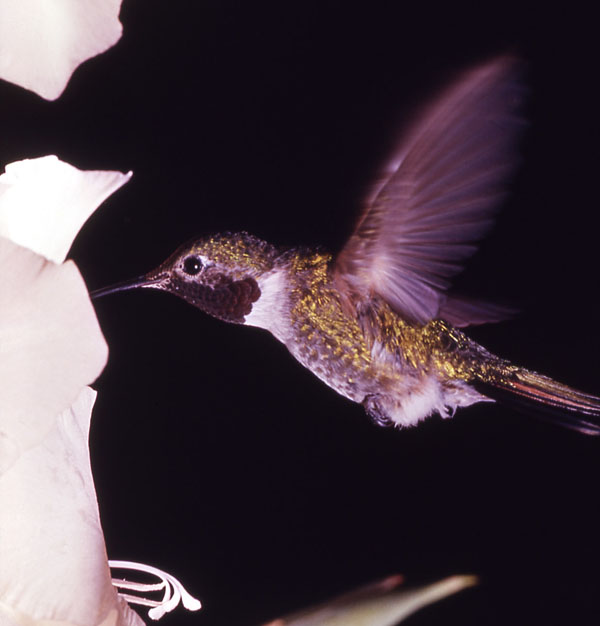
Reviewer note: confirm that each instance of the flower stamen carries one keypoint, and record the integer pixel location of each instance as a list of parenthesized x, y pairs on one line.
[(174, 591)]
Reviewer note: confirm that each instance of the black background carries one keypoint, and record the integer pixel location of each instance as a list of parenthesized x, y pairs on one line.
[(216, 456)]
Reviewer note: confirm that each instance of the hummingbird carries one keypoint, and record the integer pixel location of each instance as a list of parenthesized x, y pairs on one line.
[(378, 322)]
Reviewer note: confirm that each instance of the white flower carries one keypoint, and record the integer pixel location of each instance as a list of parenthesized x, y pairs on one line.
[(50, 343), (53, 561), (54, 565), (42, 42), (378, 604), (44, 202)]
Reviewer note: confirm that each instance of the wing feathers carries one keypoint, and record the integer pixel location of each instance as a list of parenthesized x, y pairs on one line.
[(447, 180)]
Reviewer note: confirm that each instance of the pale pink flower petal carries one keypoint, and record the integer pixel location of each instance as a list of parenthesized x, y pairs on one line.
[(54, 566), (44, 202), (50, 346), (43, 41)]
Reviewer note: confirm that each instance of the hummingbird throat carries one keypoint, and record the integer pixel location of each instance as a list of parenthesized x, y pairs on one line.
[(227, 299)]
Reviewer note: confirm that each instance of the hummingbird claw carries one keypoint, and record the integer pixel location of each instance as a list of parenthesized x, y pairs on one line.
[(375, 412)]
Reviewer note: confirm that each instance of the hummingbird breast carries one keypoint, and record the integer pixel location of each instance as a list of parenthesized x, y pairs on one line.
[(401, 372)]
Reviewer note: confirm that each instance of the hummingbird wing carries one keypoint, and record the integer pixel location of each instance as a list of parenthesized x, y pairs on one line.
[(438, 199)]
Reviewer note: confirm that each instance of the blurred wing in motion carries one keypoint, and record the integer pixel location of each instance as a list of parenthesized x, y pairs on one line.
[(443, 187)]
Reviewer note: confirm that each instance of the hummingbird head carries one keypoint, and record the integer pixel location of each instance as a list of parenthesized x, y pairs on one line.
[(218, 274)]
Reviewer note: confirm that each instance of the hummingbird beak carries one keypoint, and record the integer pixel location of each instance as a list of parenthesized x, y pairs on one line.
[(133, 283)]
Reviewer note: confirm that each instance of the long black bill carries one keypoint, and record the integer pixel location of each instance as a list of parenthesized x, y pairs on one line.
[(126, 285)]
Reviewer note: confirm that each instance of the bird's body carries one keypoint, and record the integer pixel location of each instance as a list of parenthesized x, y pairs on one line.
[(401, 372), (376, 322)]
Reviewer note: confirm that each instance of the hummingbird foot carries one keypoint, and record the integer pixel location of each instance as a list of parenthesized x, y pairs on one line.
[(375, 412)]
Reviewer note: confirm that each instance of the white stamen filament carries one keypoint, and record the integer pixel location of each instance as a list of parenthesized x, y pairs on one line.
[(174, 591)]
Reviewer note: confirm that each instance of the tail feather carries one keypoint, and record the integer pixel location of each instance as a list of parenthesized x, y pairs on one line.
[(545, 397)]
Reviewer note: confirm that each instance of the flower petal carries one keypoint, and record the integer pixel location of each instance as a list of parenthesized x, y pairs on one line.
[(44, 202), (54, 565), (378, 604), (43, 41), (50, 346)]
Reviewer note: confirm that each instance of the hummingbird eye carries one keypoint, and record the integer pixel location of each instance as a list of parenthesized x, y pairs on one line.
[(192, 265)]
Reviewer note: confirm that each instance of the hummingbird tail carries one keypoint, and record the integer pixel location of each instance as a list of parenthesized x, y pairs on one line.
[(551, 400)]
